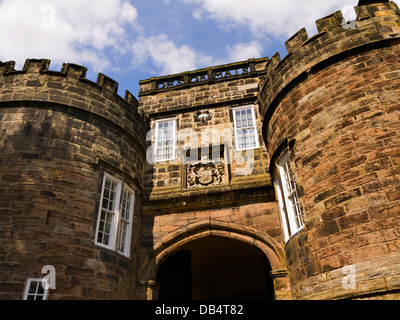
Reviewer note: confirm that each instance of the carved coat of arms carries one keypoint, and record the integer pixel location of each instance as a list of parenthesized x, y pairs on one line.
[(205, 174)]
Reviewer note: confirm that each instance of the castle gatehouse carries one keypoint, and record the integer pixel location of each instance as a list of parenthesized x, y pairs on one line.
[(262, 179)]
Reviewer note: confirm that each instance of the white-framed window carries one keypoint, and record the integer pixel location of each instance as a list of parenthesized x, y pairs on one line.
[(165, 140), (125, 221), (287, 197), (114, 222), (34, 289), (244, 120)]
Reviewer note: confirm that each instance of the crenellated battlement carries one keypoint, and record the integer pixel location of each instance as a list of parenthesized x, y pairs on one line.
[(70, 87), (104, 84), (377, 25), (59, 133)]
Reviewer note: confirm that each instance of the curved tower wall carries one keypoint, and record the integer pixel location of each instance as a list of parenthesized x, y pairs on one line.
[(333, 101), (59, 134)]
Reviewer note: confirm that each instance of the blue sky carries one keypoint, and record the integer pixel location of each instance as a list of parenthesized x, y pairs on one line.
[(132, 40)]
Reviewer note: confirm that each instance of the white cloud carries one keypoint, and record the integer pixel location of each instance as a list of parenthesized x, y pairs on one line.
[(271, 18), (197, 14), (76, 31), (99, 33), (349, 13), (244, 51), (169, 58), (166, 55)]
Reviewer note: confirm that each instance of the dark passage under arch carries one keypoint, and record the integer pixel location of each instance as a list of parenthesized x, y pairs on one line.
[(216, 268)]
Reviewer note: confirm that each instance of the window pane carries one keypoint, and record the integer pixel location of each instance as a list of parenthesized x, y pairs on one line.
[(105, 203), (126, 205), (122, 233), (249, 118), (246, 138), (251, 138), (161, 131), (123, 207), (123, 237), (104, 233), (291, 203), (244, 118), (238, 119), (241, 139), (170, 149), (109, 195), (107, 184), (246, 133), (169, 130), (165, 142), (243, 121), (164, 134), (161, 150), (165, 130), (40, 288), (296, 210), (34, 290), (287, 182), (33, 287), (290, 184)]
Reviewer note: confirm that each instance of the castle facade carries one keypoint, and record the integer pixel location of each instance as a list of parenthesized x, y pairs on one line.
[(261, 179)]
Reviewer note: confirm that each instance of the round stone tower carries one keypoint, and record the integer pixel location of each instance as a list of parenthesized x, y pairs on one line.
[(331, 113), (60, 135)]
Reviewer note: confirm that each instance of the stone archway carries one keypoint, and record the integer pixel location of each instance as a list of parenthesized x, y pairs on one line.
[(185, 236), (216, 268)]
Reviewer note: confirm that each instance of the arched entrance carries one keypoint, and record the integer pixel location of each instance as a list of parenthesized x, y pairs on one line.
[(205, 243), (216, 268)]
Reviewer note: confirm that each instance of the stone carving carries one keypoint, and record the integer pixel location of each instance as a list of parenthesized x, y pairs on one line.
[(204, 173), (199, 77), (202, 116)]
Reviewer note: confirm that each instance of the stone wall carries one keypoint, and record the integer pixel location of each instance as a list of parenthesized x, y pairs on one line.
[(215, 96), (59, 133), (335, 100), (240, 192)]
